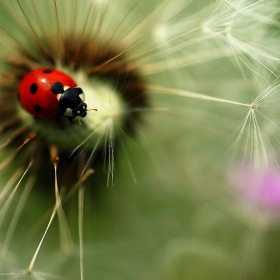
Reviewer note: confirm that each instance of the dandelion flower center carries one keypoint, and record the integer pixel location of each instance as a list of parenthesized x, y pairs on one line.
[(109, 83)]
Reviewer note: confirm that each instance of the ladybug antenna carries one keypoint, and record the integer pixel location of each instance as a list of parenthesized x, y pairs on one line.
[(79, 117)]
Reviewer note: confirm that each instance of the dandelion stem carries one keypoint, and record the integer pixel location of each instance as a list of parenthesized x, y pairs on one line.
[(31, 265), (59, 30), (9, 186), (57, 209), (14, 152), (18, 211), (35, 36), (78, 48), (179, 92), (165, 43), (14, 136)]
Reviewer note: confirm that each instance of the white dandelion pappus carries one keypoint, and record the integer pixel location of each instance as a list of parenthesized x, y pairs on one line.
[(241, 25), (259, 132)]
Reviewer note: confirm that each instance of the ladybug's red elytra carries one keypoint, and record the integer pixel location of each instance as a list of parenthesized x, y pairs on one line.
[(47, 92)]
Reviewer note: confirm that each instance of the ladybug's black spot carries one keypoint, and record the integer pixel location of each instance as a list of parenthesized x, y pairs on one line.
[(37, 109), (47, 71), (57, 88), (33, 88)]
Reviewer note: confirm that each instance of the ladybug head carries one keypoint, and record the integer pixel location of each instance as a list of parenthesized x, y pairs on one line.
[(80, 110)]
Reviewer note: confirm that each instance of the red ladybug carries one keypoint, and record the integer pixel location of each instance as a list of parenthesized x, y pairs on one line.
[(46, 92)]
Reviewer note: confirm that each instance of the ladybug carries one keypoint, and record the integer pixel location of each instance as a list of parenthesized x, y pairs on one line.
[(47, 92)]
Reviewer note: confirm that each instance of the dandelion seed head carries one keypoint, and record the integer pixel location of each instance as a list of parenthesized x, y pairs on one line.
[(257, 139), (239, 25), (109, 83)]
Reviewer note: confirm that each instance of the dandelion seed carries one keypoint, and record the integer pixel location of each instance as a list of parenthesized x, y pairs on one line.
[(233, 22), (260, 128)]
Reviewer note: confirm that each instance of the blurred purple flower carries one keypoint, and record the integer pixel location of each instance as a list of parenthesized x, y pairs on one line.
[(259, 187)]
